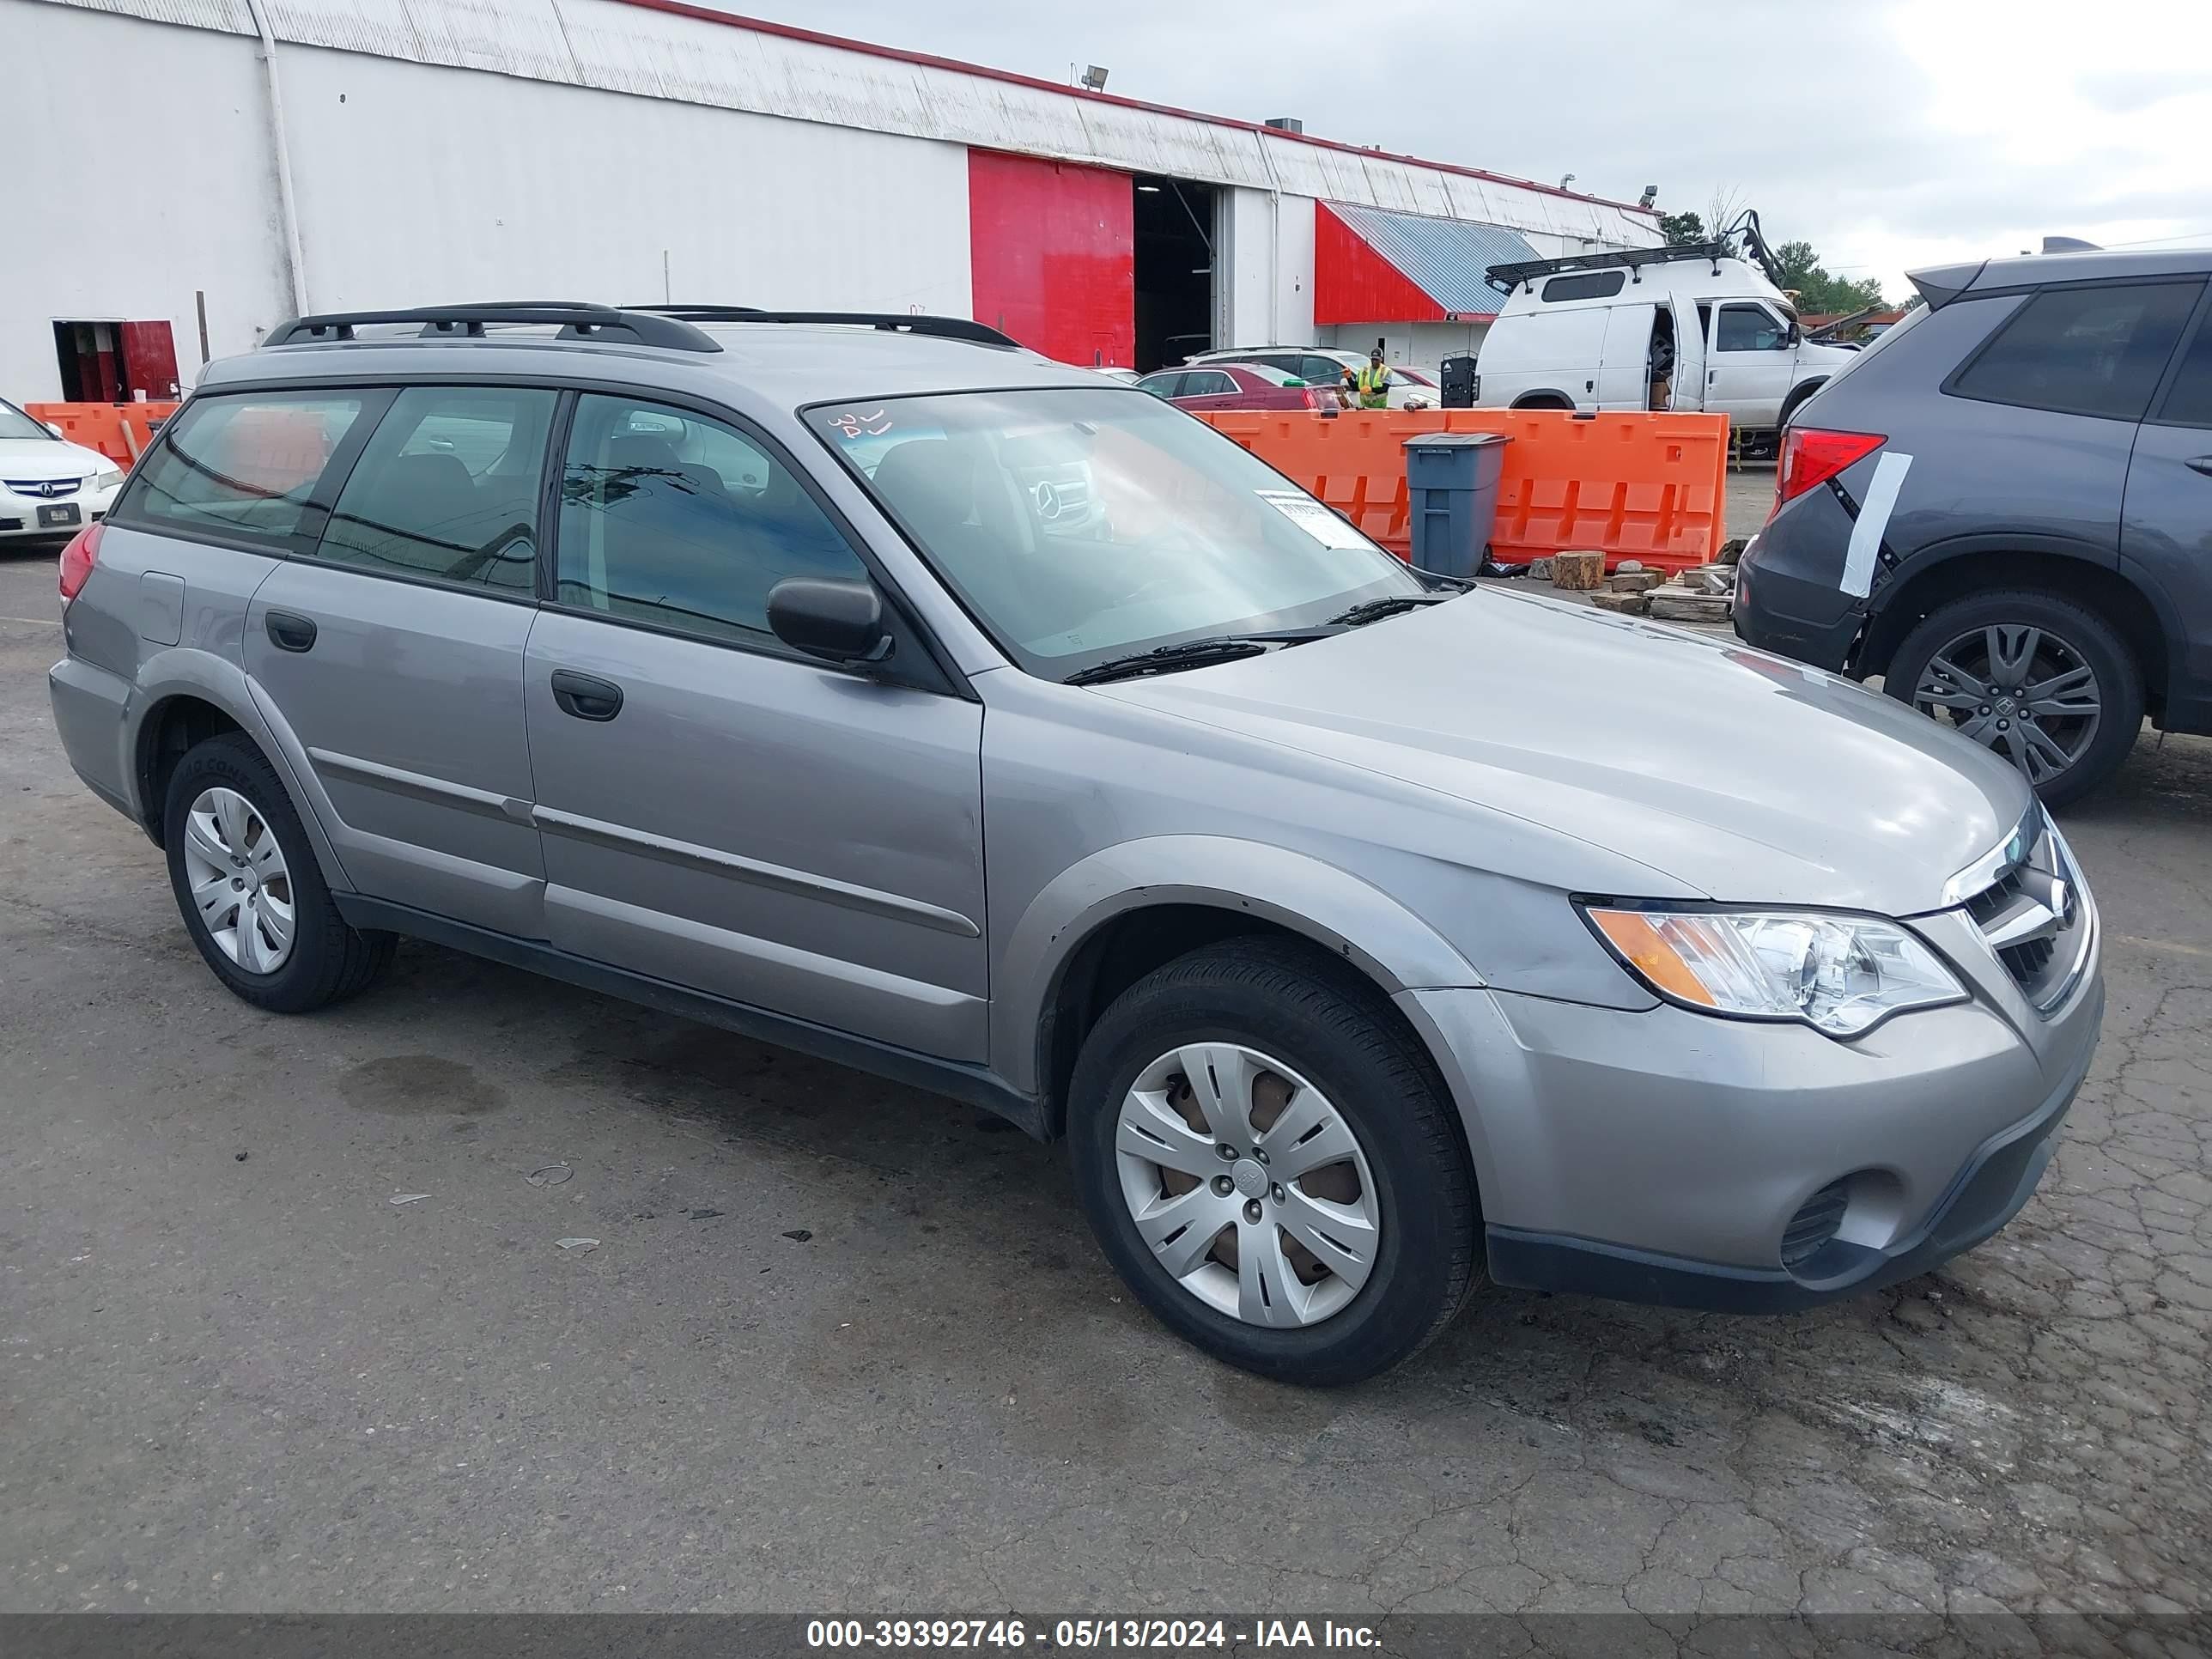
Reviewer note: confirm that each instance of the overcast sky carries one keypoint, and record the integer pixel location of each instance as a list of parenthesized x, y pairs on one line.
[(1887, 136)]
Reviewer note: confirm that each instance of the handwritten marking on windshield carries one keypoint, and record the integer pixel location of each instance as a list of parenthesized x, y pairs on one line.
[(873, 424)]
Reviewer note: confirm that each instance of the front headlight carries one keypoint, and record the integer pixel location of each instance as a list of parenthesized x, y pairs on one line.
[(111, 479), (1841, 975)]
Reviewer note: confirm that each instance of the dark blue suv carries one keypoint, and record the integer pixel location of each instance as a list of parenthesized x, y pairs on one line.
[(2003, 507)]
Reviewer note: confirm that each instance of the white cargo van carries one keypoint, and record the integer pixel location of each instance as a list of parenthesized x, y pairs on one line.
[(1681, 328)]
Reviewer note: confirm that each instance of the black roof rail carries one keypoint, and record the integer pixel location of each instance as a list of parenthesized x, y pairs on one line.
[(943, 328), (1505, 278), (577, 321)]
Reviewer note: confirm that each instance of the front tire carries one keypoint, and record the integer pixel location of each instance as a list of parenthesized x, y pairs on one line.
[(252, 897), (2033, 676), (1336, 1236)]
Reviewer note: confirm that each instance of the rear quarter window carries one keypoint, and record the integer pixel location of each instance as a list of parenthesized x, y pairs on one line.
[(243, 466), (2096, 350), (1585, 285)]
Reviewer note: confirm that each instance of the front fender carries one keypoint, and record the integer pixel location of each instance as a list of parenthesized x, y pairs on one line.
[(1338, 911)]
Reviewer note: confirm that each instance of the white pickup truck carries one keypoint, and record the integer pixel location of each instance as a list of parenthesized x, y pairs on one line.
[(1680, 328)]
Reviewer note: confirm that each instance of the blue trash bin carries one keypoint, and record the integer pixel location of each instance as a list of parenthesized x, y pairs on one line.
[(1451, 489)]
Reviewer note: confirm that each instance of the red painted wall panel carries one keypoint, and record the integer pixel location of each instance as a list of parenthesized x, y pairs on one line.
[(1052, 252), (1353, 284)]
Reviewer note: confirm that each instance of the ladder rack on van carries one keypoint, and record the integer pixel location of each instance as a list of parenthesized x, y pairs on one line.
[(1505, 278)]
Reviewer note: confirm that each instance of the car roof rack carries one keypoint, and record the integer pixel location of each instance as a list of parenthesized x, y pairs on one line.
[(576, 319), (1505, 278), (943, 328)]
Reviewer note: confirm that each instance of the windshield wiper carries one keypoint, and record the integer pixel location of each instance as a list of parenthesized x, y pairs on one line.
[(1190, 653), (1375, 609)]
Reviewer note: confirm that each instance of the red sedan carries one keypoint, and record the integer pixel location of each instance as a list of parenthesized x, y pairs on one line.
[(1236, 386)]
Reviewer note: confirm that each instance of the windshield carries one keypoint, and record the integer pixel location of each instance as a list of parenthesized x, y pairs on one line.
[(14, 423), (1080, 524)]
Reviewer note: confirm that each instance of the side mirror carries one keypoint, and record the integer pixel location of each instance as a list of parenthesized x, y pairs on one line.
[(1794, 336), (840, 622), (56, 430)]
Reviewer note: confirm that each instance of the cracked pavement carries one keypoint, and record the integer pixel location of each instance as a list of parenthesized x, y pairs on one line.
[(235, 1376)]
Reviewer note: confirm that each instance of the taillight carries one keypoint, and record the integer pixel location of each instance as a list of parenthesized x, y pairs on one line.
[(1313, 399), (1812, 455), (78, 558)]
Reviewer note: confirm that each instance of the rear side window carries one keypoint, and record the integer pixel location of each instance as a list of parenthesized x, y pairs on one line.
[(1585, 285), (447, 490), (2188, 399), (242, 466), (2083, 351)]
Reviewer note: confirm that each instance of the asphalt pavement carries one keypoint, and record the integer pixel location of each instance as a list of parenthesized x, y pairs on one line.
[(843, 1346)]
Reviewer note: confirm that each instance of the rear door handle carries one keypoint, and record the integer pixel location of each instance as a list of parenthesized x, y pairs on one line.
[(287, 632), (585, 695), (2200, 464)]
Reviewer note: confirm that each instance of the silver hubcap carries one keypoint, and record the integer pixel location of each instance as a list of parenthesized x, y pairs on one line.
[(240, 884), (2022, 692), (1247, 1185)]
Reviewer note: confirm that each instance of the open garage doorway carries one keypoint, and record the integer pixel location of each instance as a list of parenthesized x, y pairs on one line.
[(1175, 270)]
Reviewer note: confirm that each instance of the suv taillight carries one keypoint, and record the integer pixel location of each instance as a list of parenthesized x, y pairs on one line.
[(78, 559), (1812, 455)]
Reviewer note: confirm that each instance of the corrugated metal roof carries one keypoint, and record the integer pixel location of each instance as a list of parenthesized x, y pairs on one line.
[(1446, 257)]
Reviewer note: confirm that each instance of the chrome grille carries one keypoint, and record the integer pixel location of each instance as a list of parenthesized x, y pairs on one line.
[(43, 490), (2031, 912)]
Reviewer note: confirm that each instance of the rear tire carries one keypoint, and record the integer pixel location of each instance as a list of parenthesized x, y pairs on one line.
[(1792, 403), (240, 859), (1365, 1128), (1955, 665)]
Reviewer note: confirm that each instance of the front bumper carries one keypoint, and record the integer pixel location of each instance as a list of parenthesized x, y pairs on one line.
[(1662, 1155), (19, 513)]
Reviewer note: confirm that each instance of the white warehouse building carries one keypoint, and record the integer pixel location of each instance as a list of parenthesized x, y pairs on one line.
[(236, 162)]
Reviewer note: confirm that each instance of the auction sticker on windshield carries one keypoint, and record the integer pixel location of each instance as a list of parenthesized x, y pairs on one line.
[(1324, 524)]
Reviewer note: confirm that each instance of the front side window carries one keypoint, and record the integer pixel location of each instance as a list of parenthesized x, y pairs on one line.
[(1080, 524), (1749, 328), (1205, 383), (2083, 350), (1162, 385), (2188, 399), (670, 518), (447, 487), (242, 466)]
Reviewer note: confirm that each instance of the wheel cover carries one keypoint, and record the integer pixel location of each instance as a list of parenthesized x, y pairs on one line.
[(238, 881), (2024, 691), (1248, 1185)]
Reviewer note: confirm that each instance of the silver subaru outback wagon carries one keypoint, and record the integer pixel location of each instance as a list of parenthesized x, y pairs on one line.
[(875, 687)]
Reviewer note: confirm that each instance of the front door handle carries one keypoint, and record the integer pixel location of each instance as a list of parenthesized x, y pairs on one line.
[(585, 695), (2200, 464), (287, 632)]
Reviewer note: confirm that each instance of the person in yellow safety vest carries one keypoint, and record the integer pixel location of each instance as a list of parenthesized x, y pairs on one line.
[(1374, 382)]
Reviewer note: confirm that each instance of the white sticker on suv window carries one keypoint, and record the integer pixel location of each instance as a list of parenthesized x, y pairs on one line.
[(1323, 523), (1873, 522)]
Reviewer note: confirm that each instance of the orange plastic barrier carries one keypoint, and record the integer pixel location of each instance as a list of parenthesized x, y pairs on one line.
[(1645, 487), (118, 431)]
